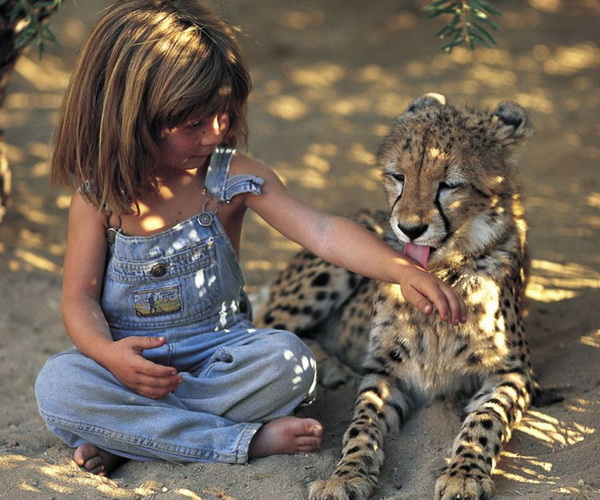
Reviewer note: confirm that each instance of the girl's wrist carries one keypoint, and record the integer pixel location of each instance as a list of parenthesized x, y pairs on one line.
[(99, 350)]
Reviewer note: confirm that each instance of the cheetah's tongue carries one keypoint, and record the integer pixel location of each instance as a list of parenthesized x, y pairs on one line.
[(420, 253)]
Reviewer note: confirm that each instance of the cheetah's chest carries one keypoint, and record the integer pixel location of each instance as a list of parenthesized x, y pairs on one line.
[(431, 355)]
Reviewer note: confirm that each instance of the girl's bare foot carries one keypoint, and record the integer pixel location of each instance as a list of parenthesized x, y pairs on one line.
[(287, 435), (96, 460)]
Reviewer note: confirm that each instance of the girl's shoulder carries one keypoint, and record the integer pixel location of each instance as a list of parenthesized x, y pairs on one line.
[(244, 164), (82, 208)]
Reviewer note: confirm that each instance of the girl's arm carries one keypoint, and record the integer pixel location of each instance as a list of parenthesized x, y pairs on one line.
[(85, 258), (347, 244)]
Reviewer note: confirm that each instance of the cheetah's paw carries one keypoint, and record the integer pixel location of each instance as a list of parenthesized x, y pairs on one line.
[(463, 487), (336, 488)]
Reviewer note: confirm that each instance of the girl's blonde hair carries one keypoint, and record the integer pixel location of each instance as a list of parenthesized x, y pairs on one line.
[(148, 64)]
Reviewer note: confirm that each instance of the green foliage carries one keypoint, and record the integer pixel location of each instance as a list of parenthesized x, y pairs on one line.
[(28, 19), (470, 22)]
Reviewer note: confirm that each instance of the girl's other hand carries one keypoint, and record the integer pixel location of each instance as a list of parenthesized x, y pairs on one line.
[(426, 293), (126, 363)]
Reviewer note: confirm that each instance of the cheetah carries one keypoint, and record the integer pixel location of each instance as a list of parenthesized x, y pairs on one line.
[(455, 207)]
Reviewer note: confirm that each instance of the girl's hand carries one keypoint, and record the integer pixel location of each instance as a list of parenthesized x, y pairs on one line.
[(426, 293), (125, 361)]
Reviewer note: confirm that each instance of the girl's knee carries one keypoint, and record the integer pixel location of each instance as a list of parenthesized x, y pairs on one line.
[(57, 383), (290, 346), (48, 385), (297, 360)]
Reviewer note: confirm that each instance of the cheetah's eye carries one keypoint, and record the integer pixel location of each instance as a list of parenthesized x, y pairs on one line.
[(450, 186), (399, 178), (446, 189)]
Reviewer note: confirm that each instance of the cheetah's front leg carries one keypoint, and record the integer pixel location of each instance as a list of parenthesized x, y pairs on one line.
[(380, 408), (494, 410)]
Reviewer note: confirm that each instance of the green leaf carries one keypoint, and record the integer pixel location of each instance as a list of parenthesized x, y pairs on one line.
[(457, 41), (445, 31), (16, 13), (487, 8), (24, 39), (483, 41), (492, 24), (48, 34), (438, 4), (479, 31), (469, 21)]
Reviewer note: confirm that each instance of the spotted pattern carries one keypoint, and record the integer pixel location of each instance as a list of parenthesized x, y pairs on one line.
[(449, 176)]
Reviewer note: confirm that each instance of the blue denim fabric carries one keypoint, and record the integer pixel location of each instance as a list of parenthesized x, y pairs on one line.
[(186, 284)]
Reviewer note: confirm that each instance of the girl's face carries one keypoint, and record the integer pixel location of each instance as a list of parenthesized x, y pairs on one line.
[(189, 146)]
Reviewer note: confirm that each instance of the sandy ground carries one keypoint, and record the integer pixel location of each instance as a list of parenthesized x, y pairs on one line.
[(329, 78)]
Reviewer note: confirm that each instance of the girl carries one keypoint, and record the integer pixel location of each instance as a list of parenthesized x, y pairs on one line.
[(167, 364)]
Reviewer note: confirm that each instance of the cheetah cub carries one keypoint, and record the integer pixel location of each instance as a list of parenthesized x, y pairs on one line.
[(455, 207)]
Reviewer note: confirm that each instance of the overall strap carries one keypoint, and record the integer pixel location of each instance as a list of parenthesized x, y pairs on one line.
[(218, 172)]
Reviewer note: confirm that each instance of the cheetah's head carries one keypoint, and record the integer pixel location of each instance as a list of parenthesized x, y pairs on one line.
[(449, 176)]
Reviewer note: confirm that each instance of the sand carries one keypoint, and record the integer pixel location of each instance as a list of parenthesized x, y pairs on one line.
[(329, 79)]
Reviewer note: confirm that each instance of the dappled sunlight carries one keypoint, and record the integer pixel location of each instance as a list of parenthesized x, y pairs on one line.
[(591, 340), (33, 233), (45, 84), (546, 5), (303, 368), (537, 100), (582, 406), (376, 88), (359, 154), (348, 106), (320, 75), (593, 200), (38, 477), (44, 75), (572, 59), (287, 107), (387, 105), (525, 469), (25, 260), (314, 169), (485, 69), (377, 75), (552, 432), (552, 282), (301, 20)]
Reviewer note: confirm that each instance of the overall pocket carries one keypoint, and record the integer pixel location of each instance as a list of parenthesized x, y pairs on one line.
[(163, 291)]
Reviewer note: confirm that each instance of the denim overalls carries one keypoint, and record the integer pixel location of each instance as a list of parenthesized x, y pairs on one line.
[(186, 284)]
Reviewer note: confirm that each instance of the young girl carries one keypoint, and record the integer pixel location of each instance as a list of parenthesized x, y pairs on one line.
[(167, 364)]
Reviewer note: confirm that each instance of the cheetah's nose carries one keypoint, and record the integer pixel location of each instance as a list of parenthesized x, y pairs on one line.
[(413, 232)]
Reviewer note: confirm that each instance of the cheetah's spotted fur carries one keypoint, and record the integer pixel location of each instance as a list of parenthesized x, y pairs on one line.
[(449, 177)]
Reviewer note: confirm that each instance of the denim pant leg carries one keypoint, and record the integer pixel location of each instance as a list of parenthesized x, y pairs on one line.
[(82, 402), (258, 378)]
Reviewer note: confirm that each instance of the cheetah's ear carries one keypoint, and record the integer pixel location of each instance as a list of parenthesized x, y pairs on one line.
[(512, 123), (426, 101)]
